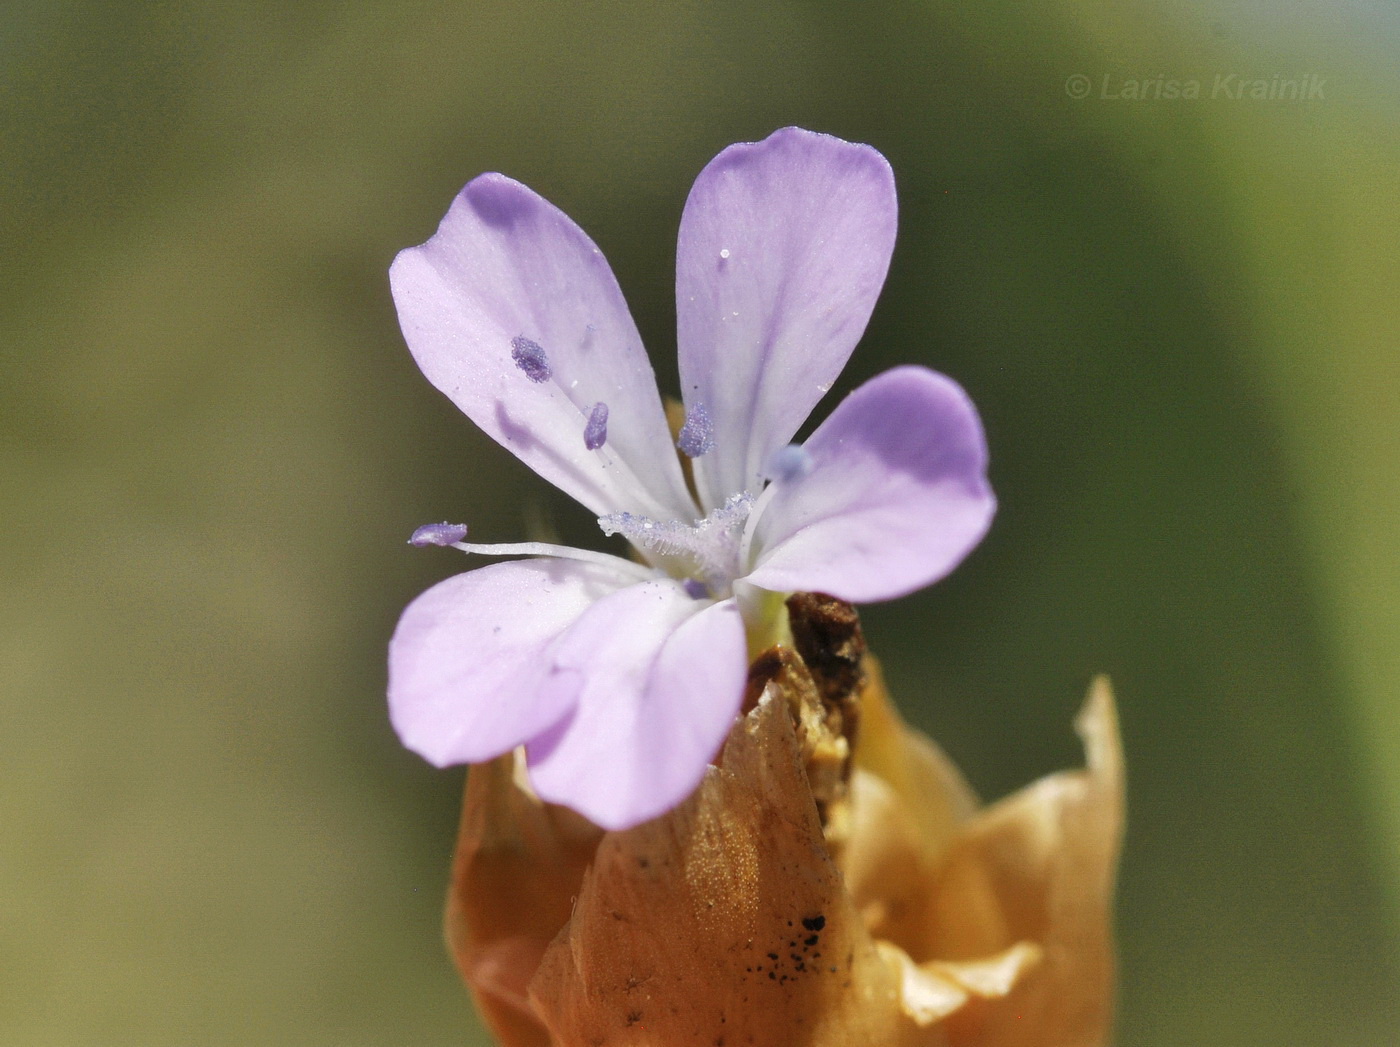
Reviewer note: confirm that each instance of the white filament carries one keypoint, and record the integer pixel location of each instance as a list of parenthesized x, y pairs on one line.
[(563, 552)]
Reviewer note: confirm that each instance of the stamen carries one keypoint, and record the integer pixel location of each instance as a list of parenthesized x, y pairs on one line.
[(563, 552), (789, 463), (530, 357), (697, 436), (438, 534), (595, 433), (696, 589)]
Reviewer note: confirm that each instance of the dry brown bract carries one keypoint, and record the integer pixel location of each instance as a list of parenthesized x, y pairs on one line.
[(911, 918)]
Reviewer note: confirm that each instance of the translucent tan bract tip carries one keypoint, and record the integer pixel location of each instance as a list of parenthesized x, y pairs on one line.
[(735, 919)]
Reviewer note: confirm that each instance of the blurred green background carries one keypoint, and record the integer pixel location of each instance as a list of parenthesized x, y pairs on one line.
[(1177, 316)]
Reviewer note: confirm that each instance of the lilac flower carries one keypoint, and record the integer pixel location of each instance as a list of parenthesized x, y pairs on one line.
[(621, 678)]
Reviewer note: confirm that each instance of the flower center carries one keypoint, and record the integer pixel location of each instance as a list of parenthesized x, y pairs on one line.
[(706, 551)]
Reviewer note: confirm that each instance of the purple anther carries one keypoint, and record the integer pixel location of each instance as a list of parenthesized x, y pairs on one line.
[(595, 433), (698, 434), (438, 534), (530, 357), (696, 589), (789, 463)]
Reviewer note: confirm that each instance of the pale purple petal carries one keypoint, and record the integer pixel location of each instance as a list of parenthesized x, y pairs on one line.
[(513, 312), (783, 248), (467, 657), (658, 678), (896, 496)]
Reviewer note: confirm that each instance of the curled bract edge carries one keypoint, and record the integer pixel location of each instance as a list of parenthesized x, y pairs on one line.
[(926, 921)]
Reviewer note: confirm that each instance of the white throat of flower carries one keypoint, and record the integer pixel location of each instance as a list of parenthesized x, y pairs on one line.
[(706, 555)]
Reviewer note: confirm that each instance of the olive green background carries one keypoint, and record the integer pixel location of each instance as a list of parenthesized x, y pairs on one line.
[(1176, 316)]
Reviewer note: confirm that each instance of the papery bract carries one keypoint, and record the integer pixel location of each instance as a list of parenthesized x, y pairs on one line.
[(735, 918)]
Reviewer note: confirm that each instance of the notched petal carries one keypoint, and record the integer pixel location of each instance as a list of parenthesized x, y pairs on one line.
[(896, 495), (466, 659), (783, 248), (657, 677), (512, 312)]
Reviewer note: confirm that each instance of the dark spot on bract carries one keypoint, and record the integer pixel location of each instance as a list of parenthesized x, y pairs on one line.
[(814, 923)]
